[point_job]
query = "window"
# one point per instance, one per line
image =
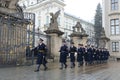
(67, 26)
(115, 46)
(39, 12)
(47, 20)
(31, 2)
(114, 4)
(66, 34)
(39, 22)
(58, 20)
(114, 24)
(39, 0)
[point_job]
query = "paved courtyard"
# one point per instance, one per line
(109, 71)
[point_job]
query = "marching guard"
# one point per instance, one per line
(72, 51)
(80, 55)
(85, 52)
(41, 55)
(63, 55)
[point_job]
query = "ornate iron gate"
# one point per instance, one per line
(14, 34)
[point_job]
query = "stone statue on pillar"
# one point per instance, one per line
(78, 30)
(11, 4)
(79, 35)
(53, 26)
(54, 17)
(77, 27)
(53, 20)
(55, 34)
(11, 7)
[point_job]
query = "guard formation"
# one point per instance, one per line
(87, 55)
(84, 55)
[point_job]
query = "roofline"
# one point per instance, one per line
(39, 4)
(67, 14)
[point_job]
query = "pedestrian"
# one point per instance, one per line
(90, 55)
(100, 55)
(80, 55)
(96, 56)
(63, 55)
(72, 51)
(41, 55)
(93, 54)
(107, 55)
(85, 50)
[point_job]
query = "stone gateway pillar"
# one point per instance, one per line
(55, 41)
(103, 40)
(84, 39)
(55, 34)
(78, 36)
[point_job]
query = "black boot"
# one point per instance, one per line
(73, 64)
(61, 66)
(37, 68)
(45, 67)
(65, 65)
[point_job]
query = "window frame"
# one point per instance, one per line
(114, 4)
(115, 46)
(47, 20)
(114, 26)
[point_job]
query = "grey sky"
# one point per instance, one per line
(85, 9)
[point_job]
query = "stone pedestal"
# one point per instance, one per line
(55, 41)
(76, 40)
(55, 44)
(55, 34)
(79, 35)
(79, 39)
(103, 40)
(84, 40)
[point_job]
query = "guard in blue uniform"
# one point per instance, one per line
(104, 55)
(41, 55)
(96, 55)
(107, 55)
(93, 54)
(85, 49)
(90, 54)
(63, 55)
(72, 51)
(80, 55)
(100, 55)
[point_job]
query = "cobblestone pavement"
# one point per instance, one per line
(109, 71)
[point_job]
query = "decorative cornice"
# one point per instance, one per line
(114, 13)
(54, 31)
(85, 35)
(43, 3)
(105, 38)
(78, 34)
(7, 10)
